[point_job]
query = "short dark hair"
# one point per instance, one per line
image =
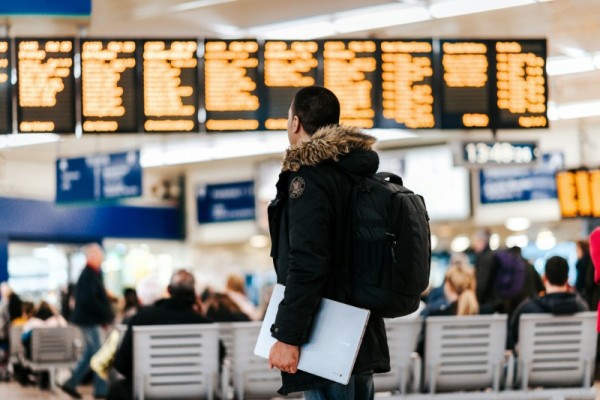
(316, 107)
(557, 270)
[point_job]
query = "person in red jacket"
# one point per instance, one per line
(595, 254)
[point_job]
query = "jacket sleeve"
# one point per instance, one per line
(310, 220)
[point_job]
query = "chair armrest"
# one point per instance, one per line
(509, 361)
(225, 386)
(416, 366)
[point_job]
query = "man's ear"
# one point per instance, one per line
(296, 124)
(169, 290)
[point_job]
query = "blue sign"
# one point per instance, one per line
(46, 7)
(508, 184)
(98, 177)
(225, 202)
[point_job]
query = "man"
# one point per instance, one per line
(179, 308)
(558, 299)
(92, 312)
(485, 270)
(311, 235)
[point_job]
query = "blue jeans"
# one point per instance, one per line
(360, 387)
(92, 343)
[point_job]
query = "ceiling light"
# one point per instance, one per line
(300, 29)
(192, 5)
(545, 240)
(434, 242)
(517, 224)
(27, 139)
(553, 111)
(460, 244)
(494, 241)
(452, 8)
(517, 240)
(259, 241)
(569, 65)
(579, 110)
(379, 17)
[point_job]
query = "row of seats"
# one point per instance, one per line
(464, 358)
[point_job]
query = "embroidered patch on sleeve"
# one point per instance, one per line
(297, 187)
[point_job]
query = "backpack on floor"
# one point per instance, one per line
(392, 249)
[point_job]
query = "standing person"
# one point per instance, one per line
(584, 283)
(92, 312)
(485, 270)
(311, 238)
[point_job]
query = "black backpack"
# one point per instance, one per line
(391, 246)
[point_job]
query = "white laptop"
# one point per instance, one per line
(333, 343)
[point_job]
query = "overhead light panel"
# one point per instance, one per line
(570, 65)
(301, 29)
(379, 17)
(578, 110)
(192, 5)
(517, 224)
(453, 8)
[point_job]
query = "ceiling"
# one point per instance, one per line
(572, 28)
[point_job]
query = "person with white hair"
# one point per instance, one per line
(92, 312)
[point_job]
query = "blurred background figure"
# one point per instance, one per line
(92, 312)
(131, 303)
(584, 283)
(221, 308)
(485, 267)
(236, 290)
(459, 293)
(43, 316)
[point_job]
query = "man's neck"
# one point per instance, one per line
(550, 289)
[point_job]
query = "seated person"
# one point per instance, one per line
(44, 316)
(179, 308)
(557, 300)
(459, 291)
(220, 308)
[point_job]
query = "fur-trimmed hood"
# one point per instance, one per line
(334, 142)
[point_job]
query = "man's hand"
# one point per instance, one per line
(285, 357)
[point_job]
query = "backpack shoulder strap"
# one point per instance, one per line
(393, 178)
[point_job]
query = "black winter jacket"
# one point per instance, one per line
(311, 237)
(92, 306)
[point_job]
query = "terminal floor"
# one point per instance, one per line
(14, 391)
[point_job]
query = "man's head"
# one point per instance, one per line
(481, 240)
(94, 255)
(313, 107)
(557, 272)
(183, 286)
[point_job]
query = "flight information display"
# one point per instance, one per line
(350, 71)
(170, 85)
(465, 85)
(5, 88)
(108, 86)
(407, 99)
(231, 85)
(579, 193)
(288, 66)
(45, 96)
(521, 86)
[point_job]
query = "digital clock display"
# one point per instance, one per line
(499, 153)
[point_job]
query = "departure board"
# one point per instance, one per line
(521, 87)
(350, 71)
(579, 193)
(465, 85)
(45, 96)
(407, 98)
(231, 85)
(5, 88)
(288, 66)
(170, 85)
(108, 85)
